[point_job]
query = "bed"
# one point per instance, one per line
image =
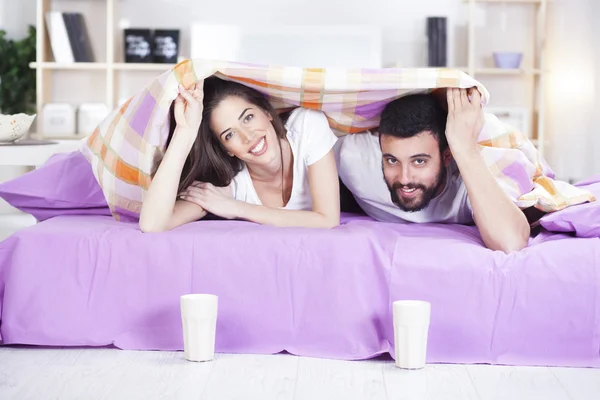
(81, 278)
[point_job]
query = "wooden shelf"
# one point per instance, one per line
(536, 107)
(100, 66)
(70, 66)
(505, 71)
(502, 71)
(142, 66)
(34, 154)
(111, 66)
(506, 1)
(78, 136)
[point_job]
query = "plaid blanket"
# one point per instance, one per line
(127, 146)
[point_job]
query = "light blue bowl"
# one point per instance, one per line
(508, 60)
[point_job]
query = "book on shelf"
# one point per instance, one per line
(436, 42)
(69, 37)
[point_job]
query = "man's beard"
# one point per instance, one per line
(420, 201)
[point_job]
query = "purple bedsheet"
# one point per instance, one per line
(93, 281)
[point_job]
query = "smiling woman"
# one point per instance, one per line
(231, 155)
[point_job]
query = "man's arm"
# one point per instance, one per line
(502, 225)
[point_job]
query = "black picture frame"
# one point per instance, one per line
(137, 44)
(165, 46)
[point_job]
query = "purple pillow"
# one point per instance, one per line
(583, 220)
(65, 184)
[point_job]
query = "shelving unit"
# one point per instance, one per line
(99, 66)
(111, 67)
(500, 71)
(537, 73)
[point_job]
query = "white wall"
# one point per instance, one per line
(594, 132)
(15, 15)
(574, 81)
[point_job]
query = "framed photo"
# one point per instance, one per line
(166, 45)
(138, 45)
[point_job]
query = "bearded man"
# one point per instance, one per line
(424, 166)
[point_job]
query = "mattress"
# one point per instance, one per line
(88, 280)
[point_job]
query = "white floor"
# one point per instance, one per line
(31, 373)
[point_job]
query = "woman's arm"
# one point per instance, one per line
(160, 210)
(324, 189)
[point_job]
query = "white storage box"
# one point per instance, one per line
(517, 117)
(89, 115)
(58, 120)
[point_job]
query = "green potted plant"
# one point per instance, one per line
(17, 79)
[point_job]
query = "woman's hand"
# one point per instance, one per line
(160, 211)
(215, 200)
(188, 110)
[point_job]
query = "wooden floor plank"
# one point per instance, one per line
(344, 380)
(516, 383)
(435, 382)
(247, 377)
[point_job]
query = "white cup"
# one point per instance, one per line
(411, 327)
(199, 319)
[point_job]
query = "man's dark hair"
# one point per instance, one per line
(412, 114)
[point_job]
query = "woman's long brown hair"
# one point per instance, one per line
(208, 161)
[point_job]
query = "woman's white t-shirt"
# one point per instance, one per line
(310, 139)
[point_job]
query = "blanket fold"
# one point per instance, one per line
(127, 146)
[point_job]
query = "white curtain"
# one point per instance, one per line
(572, 116)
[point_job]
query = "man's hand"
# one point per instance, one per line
(465, 120)
(502, 224)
